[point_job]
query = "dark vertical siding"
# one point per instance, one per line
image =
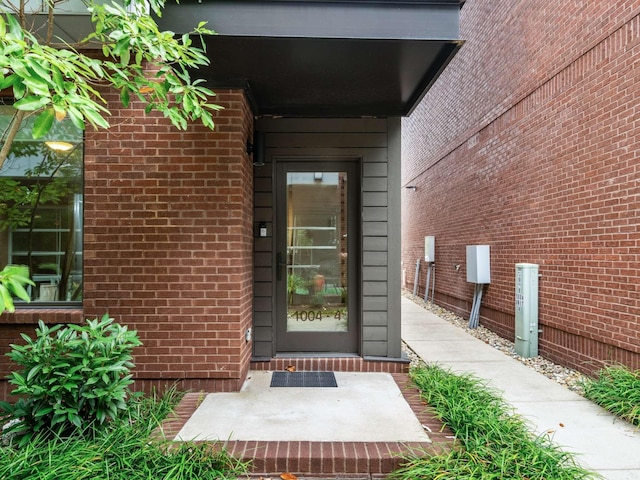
(368, 141)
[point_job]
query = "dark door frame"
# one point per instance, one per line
(318, 342)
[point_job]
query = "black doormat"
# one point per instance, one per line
(303, 379)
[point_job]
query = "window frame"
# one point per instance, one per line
(69, 203)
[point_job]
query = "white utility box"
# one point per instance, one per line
(526, 342)
(430, 249)
(478, 264)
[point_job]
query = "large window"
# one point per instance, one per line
(41, 208)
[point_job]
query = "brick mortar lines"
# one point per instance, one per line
(373, 459)
(547, 88)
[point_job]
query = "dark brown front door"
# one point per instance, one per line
(317, 252)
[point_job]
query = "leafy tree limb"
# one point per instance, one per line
(53, 82)
(13, 278)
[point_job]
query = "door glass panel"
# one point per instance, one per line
(317, 252)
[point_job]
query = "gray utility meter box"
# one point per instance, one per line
(430, 249)
(526, 310)
(478, 264)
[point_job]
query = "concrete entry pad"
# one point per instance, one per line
(365, 407)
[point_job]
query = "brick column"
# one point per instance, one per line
(168, 241)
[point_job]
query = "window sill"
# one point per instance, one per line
(49, 314)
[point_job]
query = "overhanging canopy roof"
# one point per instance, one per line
(339, 58)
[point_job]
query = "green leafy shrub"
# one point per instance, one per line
(72, 377)
(617, 389)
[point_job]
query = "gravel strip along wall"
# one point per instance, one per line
(571, 379)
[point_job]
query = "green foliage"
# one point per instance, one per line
(52, 180)
(294, 284)
(55, 81)
(493, 443)
(13, 278)
(72, 378)
(49, 182)
(317, 300)
(617, 389)
(124, 452)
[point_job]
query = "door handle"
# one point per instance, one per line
(280, 265)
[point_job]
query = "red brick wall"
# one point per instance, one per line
(530, 142)
(168, 243)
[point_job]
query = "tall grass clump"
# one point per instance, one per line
(125, 451)
(617, 389)
(492, 442)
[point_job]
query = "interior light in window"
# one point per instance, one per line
(59, 146)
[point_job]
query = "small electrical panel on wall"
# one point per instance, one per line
(262, 229)
(430, 249)
(478, 264)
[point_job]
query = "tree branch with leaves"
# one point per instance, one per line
(52, 80)
(13, 279)
(55, 80)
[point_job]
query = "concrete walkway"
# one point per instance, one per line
(601, 442)
(365, 407)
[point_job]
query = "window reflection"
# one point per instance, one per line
(317, 252)
(41, 209)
